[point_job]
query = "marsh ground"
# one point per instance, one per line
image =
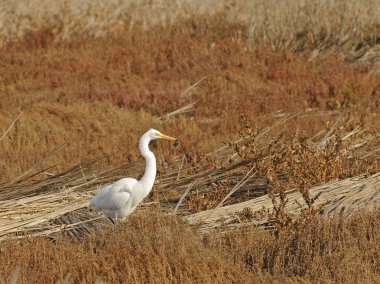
(94, 88)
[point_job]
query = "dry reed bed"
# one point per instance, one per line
(350, 28)
(56, 204)
(346, 197)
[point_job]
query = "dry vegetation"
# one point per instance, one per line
(156, 248)
(270, 102)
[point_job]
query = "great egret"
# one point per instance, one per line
(121, 198)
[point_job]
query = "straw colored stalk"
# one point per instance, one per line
(337, 197)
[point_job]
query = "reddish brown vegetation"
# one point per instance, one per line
(120, 85)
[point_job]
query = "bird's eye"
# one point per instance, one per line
(176, 143)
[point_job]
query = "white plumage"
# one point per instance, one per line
(121, 198)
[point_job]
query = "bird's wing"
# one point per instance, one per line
(114, 196)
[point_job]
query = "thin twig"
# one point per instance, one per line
(237, 186)
(182, 198)
(184, 109)
(10, 127)
(55, 150)
(187, 92)
(181, 166)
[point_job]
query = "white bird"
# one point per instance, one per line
(121, 198)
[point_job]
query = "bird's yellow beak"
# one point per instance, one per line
(163, 136)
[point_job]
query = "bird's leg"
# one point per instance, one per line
(114, 222)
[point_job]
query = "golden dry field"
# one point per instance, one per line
(276, 177)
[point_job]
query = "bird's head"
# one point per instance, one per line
(155, 134)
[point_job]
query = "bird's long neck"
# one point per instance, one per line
(147, 180)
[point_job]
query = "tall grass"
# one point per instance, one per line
(156, 248)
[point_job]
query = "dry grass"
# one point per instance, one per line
(156, 248)
(122, 86)
(347, 26)
(148, 248)
(258, 111)
(336, 250)
(42, 206)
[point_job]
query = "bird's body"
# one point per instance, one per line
(121, 198)
(116, 200)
